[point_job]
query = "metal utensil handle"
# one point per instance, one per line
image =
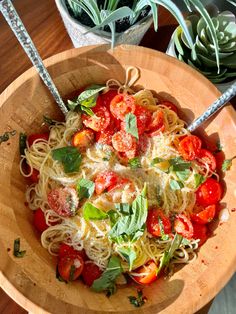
(217, 105)
(22, 35)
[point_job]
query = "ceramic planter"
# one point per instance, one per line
(77, 31)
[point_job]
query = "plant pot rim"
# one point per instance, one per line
(63, 10)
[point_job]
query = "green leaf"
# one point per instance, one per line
(157, 160)
(107, 280)
(85, 188)
(198, 179)
(227, 164)
(16, 249)
(138, 301)
(129, 254)
(176, 185)
(130, 227)
(178, 164)
(167, 256)
(162, 230)
(135, 163)
(183, 175)
(22, 143)
(70, 158)
(131, 125)
(124, 208)
(113, 216)
(91, 212)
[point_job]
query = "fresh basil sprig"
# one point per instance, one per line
(131, 125)
(85, 188)
(70, 158)
(107, 280)
(90, 212)
(129, 254)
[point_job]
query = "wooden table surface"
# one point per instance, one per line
(45, 26)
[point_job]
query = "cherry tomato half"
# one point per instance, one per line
(157, 124)
(120, 182)
(66, 250)
(153, 223)
(200, 232)
(149, 271)
(83, 139)
(207, 158)
(209, 192)
(121, 105)
(183, 226)
(143, 117)
(90, 273)
(64, 201)
(189, 147)
(39, 220)
(99, 121)
(122, 141)
(33, 137)
(203, 215)
(169, 105)
(104, 180)
(70, 267)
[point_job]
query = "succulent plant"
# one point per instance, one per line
(206, 61)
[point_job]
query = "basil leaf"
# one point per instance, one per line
(130, 227)
(16, 249)
(124, 208)
(227, 164)
(156, 160)
(91, 212)
(113, 216)
(72, 104)
(198, 179)
(69, 156)
(135, 163)
(88, 111)
(107, 280)
(129, 254)
(175, 244)
(49, 121)
(183, 175)
(85, 188)
(176, 185)
(131, 125)
(178, 164)
(22, 143)
(90, 92)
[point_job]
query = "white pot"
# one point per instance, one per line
(171, 52)
(77, 31)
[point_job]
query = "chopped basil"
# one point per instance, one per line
(131, 125)
(85, 188)
(16, 250)
(49, 121)
(5, 137)
(138, 301)
(198, 179)
(91, 212)
(157, 160)
(227, 164)
(107, 280)
(22, 143)
(70, 158)
(129, 254)
(135, 163)
(176, 185)
(124, 208)
(113, 216)
(131, 227)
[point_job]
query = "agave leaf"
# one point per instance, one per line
(223, 55)
(154, 9)
(195, 64)
(218, 80)
(177, 40)
(193, 18)
(200, 46)
(183, 37)
(91, 8)
(75, 7)
(230, 74)
(230, 62)
(214, 75)
(231, 29)
(204, 38)
(208, 62)
(229, 47)
(232, 2)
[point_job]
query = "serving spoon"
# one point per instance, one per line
(17, 26)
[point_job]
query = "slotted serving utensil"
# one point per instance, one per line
(17, 26)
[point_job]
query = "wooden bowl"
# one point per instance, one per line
(31, 280)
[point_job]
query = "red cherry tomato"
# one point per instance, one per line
(209, 192)
(105, 136)
(90, 273)
(106, 98)
(157, 124)
(34, 177)
(83, 139)
(121, 105)
(207, 158)
(64, 201)
(169, 105)
(39, 220)
(66, 250)
(150, 273)
(120, 182)
(200, 232)
(183, 226)
(33, 137)
(99, 121)
(153, 223)
(122, 141)
(203, 215)
(189, 147)
(104, 180)
(70, 267)
(143, 118)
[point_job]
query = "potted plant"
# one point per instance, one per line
(216, 61)
(113, 21)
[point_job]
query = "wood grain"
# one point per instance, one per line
(34, 276)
